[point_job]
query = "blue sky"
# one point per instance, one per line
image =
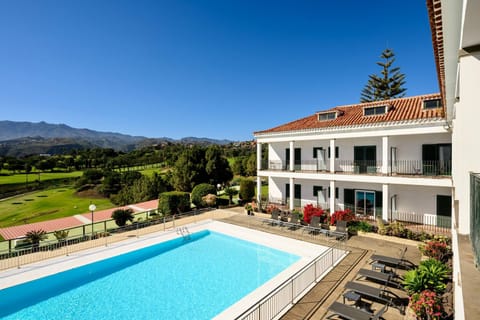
(206, 68)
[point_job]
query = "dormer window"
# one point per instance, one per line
(375, 111)
(324, 116)
(432, 104)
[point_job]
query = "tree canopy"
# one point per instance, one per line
(387, 85)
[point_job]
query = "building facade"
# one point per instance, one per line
(389, 159)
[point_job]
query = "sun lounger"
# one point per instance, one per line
(381, 295)
(294, 222)
(393, 261)
(387, 278)
(349, 312)
(341, 230)
(273, 218)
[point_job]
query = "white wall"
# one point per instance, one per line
(466, 136)
(417, 199)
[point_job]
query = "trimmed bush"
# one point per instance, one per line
(247, 190)
(173, 202)
(200, 191)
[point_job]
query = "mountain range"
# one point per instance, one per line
(25, 138)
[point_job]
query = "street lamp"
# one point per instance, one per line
(92, 208)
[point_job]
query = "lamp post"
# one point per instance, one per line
(92, 208)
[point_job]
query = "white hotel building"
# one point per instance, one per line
(389, 159)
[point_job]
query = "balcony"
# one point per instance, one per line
(398, 167)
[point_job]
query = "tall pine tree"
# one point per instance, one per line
(387, 85)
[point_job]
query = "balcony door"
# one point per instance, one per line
(444, 211)
(365, 203)
(297, 198)
(298, 158)
(437, 159)
(365, 158)
(319, 154)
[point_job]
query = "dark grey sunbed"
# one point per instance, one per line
(381, 295)
(393, 261)
(387, 278)
(353, 313)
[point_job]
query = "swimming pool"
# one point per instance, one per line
(177, 279)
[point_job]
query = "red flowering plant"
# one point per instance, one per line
(309, 211)
(342, 215)
(426, 305)
(436, 249)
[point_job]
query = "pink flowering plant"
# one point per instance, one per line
(426, 305)
(436, 249)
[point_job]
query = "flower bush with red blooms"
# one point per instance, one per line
(309, 211)
(342, 215)
(436, 249)
(426, 305)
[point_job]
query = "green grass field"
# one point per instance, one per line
(46, 205)
(21, 178)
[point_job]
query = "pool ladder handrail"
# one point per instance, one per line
(184, 232)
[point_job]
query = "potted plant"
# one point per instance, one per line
(248, 208)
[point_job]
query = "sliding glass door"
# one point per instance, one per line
(365, 202)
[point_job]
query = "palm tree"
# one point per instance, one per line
(121, 216)
(35, 236)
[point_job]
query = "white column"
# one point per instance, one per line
(292, 194)
(385, 200)
(332, 196)
(259, 157)
(384, 155)
(332, 155)
(259, 189)
(292, 157)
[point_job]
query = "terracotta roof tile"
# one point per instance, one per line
(402, 109)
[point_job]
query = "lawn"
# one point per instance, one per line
(21, 178)
(46, 205)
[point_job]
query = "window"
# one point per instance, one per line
(432, 104)
(327, 116)
(336, 192)
(337, 152)
(373, 111)
(316, 151)
(317, 189)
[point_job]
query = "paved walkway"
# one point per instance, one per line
(73, 221)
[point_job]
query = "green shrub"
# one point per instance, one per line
(200, 191)
(173, 202)
(431, 274)
(360, 226)
(247, 190)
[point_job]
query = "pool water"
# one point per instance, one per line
(178, 279)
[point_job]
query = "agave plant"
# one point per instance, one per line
(431, 274)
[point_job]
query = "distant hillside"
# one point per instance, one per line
(13, 130)
(25, 138)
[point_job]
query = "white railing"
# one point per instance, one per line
(15, 258)
(279, 300)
